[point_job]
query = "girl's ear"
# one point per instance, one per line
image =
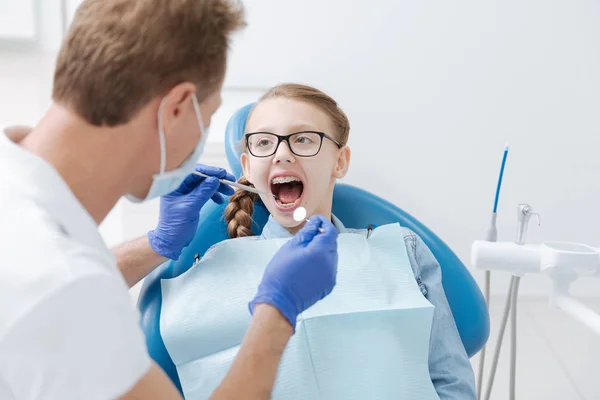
(343, 163)
(245, 160)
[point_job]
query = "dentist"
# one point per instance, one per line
(135, 86)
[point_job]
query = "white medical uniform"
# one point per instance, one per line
(68, 328)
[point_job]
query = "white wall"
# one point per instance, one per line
(433, 90)
(17, 19)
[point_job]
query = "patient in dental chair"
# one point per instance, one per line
(295, 148)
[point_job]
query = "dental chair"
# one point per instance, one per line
(465, 299)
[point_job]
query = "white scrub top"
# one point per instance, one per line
(68, 328)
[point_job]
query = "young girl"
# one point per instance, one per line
(295, 150)
(309, 181)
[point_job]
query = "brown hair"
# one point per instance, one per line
(119, 54)
(238, 213)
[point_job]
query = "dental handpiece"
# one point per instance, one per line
(235, 184)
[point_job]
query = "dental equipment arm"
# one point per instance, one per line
(524, 213)
(561, 261)
(577, 310)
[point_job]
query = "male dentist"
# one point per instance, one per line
(135, 86)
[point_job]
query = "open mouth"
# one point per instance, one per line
(287, 190)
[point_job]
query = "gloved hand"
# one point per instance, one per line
(302, 272)
(179, 210)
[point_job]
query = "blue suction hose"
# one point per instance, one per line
(491, 236)
(506, 148)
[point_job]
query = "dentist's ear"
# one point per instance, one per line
(177, 103)
(343, 163)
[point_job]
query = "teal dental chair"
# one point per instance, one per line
(465, 299)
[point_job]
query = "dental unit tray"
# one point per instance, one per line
(558, 259)
(562, 262)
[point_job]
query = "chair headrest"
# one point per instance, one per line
(234, 132)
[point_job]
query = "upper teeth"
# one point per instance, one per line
(284, 179)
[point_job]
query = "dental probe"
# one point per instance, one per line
(235, 184)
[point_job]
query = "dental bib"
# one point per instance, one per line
(369, 339)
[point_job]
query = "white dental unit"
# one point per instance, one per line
(562, 262)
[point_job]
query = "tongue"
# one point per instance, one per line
(289, 192)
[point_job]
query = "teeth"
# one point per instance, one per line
(284, 179)
(285, 205)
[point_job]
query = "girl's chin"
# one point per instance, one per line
(287, 221)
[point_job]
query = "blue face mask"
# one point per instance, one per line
(166, 182)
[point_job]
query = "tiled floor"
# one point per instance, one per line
(558, 358)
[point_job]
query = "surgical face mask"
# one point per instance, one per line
(166, 182)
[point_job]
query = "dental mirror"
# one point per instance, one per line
(300, 215)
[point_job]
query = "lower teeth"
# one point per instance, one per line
(289, 205)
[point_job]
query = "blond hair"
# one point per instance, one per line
(238, 213)
(119, 54)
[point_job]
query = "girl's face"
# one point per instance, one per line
(295, 180)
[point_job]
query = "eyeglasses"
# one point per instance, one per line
(302, 144)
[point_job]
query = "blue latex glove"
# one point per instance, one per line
(179, 210)
(302, 272)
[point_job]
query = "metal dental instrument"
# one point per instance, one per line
(300, 215)
(236, 185)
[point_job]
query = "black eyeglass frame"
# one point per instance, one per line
(286, 138)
